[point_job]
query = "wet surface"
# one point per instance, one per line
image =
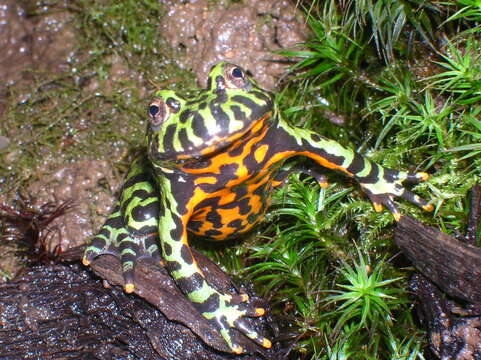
(90, 186)
(61, 312)
(245, 33)
(32, 43)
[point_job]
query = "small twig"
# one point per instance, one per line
(474, 215)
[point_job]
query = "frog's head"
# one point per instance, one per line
(212, 119)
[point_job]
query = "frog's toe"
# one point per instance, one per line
(417, 200)
(391, 206)
(99, 246)
(416, 177)
(244, 328)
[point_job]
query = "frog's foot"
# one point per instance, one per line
(116, 241)
(389, 186)
(227, 313)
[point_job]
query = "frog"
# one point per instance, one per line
(211, 165)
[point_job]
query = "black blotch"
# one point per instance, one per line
(169, 138)
(184, 116)
(184, 140)
(210, 305)
(237, 150)
(198, 125)
(372, 177)
(220, 98)
(141, 177)
(214, 217)
(176, 233)
(262, 95)
(186, 255)
(194, 226)
(357, 164)
(121, 237)
(103, 232)
(244, 207)
(315, 137)
(321, 152)
(252, 218)
(167, 249)
(213, 232)
(209, 83)
(174, 104)
(142, 213)
(173, 266)
(220, 83)
(240, 191)
(236, 224)
(202, 105)
(238, 113)
(191, 283)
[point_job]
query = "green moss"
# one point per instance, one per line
(97, 108)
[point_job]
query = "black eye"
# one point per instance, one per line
(153, 110)
(237, 73)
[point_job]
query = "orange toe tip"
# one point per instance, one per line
(237, 349)
(377, 207)
(397, 216)
(428, 207)
(85, 262)
(423, 176)
(129, 288)
(244, 297)
(324, 184)
(266, 343)
(260, 311)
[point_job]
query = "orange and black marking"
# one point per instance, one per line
(212, 163)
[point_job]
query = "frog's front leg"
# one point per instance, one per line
(381, 184)
(226, 312)
(130, 231)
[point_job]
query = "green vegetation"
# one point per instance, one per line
(95, 109)
(405, 76)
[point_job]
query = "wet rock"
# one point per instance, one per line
(244, 33)
(33, 43)
(90, 185)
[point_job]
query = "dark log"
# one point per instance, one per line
(452, 265)
(154, 284)
(62, 312)
(451, 336)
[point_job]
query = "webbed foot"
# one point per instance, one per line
(115, 240)
(389, 185)
(227, 312)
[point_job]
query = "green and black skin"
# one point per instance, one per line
(211, 165)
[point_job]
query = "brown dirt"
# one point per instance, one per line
(243, 33)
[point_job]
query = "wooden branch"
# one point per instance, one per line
(154, 284)
(61, 312)
(452, 265)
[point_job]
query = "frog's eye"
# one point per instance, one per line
(237, 73)
(157, 112)
(153, 110)
(235, 78)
